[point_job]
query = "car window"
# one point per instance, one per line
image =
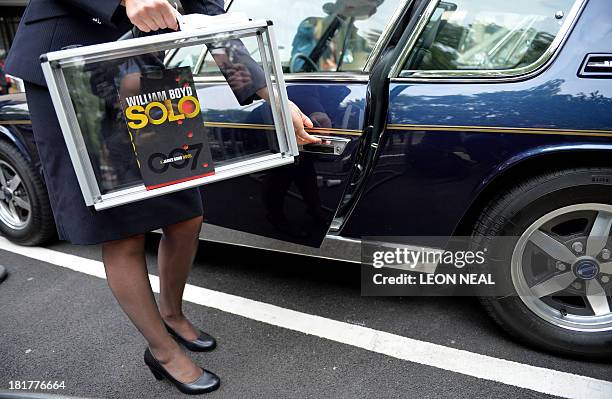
(185, 56)
(318, 35)
(487, 34)
(189, 56)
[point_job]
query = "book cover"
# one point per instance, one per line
(164, 120)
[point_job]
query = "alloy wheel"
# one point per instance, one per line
(15, 205)
(562, 267)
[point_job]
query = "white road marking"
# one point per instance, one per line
(552, 382)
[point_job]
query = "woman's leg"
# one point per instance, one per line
(126, 272)
(177, 248)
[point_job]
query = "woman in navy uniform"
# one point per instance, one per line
(49, 25)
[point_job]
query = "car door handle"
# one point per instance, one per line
(330, 145)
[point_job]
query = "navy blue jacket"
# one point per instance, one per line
(49, 25)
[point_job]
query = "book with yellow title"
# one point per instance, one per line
(164, 120)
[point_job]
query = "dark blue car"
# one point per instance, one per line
(446, 118)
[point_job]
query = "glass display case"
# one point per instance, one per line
(135, 126)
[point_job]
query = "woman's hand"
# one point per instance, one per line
(299, 122)
(297, 117)
(151, 15)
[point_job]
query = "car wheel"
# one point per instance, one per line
(25, 213)
(559, 263)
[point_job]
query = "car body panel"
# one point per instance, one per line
(446, 142)
(15, 125)
(295, 203)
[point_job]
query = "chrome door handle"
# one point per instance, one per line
(330, 145)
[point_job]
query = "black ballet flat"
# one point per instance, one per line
(207, 382)
(203, 343)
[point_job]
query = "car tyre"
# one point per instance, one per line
(20, 225)
(561, 196)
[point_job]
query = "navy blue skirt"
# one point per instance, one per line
(75, 221)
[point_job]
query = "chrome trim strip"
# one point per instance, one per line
(16, 122)
(333, 131)
(414, 36)
(346, 240)
(329, 76)
(296, 77)
(169, 54)
(336, 224)
(383, 39)
(333, 247)
(254, 126)
(209, 79)
(455, 76)
(201, 58)
(499, 129)
(229, 125)
(320, 130)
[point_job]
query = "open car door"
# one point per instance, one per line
(326, 49)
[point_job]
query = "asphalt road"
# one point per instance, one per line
(60, 324)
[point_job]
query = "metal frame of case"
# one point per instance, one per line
(53, 62)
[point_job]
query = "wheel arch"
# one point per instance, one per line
(534, 161)
(10, 137)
